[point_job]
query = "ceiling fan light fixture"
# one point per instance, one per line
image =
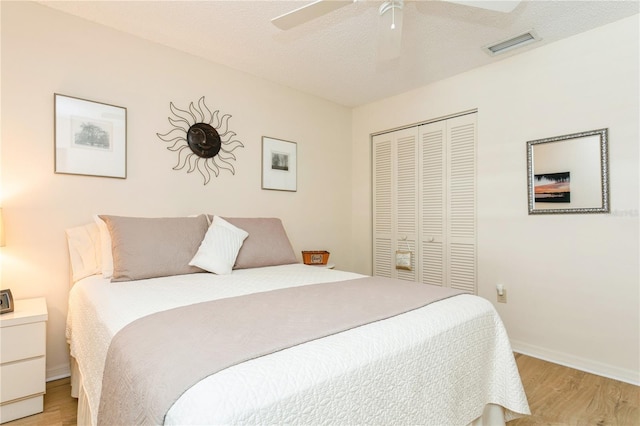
(391, 5)
(390, 31)
(512, 43)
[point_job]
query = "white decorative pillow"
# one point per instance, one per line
(105, 246)
(84, 250)
(220, 247)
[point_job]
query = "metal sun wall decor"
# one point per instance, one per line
(202, 140)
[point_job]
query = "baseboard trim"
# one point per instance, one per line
(58, 372)
(578, 363)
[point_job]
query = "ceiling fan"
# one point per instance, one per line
(390, 12)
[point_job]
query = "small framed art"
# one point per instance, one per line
(90, 138)
(279, 164)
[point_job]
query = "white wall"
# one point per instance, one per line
(46, 52)
(572, 280)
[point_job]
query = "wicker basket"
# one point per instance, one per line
(315, 257)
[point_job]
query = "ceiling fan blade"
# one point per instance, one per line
(308, 12)
(504, 6)
(390, 39)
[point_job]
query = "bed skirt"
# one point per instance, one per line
(77, 391)
(493, 415)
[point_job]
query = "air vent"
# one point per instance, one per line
(512, 43)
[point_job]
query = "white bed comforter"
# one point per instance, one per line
(440, 364)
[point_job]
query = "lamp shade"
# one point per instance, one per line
(1, 229)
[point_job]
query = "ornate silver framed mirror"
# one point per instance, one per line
(569, 173)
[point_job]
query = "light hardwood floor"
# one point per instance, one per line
(557, 396)
(563, 396)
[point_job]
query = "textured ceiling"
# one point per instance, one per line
(335, 56)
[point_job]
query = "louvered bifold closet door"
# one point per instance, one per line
(406, 198)
(461, 205)
(395, 202)
(424, 186)
(432, 203)
(382, 205)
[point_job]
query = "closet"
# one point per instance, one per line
(424, 203)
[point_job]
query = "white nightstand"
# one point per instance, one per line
(23, 334)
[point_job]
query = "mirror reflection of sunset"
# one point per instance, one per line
(553, 187)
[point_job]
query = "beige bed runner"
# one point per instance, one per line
(152, 361)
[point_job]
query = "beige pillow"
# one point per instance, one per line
(154, 247)
(266, 245)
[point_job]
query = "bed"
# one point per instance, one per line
(448, 362)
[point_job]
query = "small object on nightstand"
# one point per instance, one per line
(23, 335)
(6, 301)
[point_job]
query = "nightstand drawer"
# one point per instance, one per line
(21, 408)
(22, 379)
(22, 341)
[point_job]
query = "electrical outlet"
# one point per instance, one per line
(503, 298)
